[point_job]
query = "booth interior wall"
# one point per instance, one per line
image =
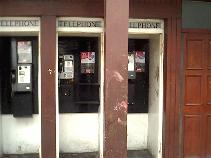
(137, 128)
(78, 133)
(1, 142)
(20, 135)
(154, 96)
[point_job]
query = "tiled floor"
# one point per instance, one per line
(131, 154)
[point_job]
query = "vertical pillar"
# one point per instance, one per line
(116, 79)
(173, 92)
(48, 91)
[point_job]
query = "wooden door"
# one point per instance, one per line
(197, 108)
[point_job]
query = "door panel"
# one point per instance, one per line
(208, 108)
(209, 90)
(194, 48)
(197, 101)
(208, 137)
(193, 90)
(192, 136)
(209, 54)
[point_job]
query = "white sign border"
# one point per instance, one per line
(146, 30)
(9, 29)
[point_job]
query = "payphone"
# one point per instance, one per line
(136, 63)
(66, 67)
(21, 66)
(19, 73)
(131, 66)
(22, 94)
(66, 80)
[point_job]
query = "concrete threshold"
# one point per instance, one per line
(131, 154)
(20, 156)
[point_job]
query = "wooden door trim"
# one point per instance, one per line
(172, 88)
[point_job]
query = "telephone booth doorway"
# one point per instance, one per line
(145, 88)
(20, 115)
(80, 87)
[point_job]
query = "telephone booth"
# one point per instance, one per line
(145, 88)
(80, 76)
(19, 87)
(96, 79)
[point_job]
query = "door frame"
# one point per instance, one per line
(147, 33)
(83, 32)
(185, 32)
(28, 31)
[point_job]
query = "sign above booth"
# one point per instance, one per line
(74, 23)
(146, 25)
(65, 24)
(19, 24)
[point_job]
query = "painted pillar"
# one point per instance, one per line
(116, 78)
(48, 83)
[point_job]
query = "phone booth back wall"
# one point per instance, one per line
(138, 75)
(1, 143)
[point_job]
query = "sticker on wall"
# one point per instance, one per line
(87, 62)
(140, 61)
(24, 52)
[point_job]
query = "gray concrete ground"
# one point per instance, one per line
(21, 156)
(79, 155)
(139, 154)
(131, 154)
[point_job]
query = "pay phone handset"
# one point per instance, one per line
(21, 65)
